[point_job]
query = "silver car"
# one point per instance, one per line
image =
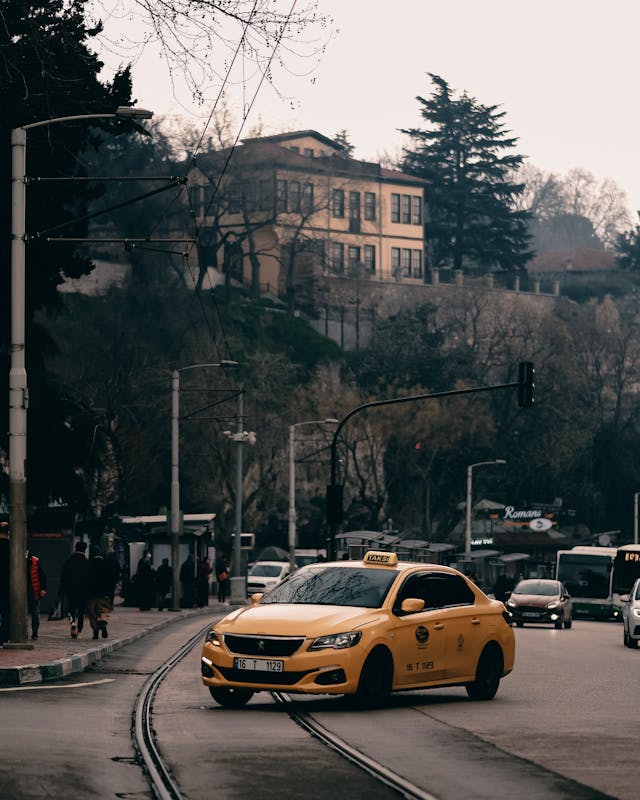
(631, 616)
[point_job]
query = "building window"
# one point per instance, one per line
(354, 205)
(416, 263)
(405, 213)
(337, 257)
(395, 261)
(234, 198)
(353, 256)
(265, 200)
(294, 196)
(338, 203)
(281, 197)
(369, 206)
(307, 198)
(405, 263)
(416, 210)
(395, 208)
(369, 258)
(295, 148)
(308, 152)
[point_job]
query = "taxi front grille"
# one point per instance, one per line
(267, 678)
(263, 646)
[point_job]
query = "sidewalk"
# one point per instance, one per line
(55, 654)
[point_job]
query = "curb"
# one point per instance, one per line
(61, 667)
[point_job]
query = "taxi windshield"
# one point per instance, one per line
(266, 570)
(334, 586)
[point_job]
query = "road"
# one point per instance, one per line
(569, 709)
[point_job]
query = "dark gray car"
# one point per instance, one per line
(539, 600)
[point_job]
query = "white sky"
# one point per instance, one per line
(565, 71)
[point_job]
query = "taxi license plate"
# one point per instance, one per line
(257, 664)
(530, 614)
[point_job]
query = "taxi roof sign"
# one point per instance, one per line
(380, 557)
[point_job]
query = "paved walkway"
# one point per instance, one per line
(55, 654)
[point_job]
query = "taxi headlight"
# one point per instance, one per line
(212, 637)
(510, 604)
(553, 604)
(336, 641)
(636, 611)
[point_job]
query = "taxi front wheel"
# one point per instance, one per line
(488, 674)
(374, 686)
(230, 697)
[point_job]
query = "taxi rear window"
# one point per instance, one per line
(334, 586)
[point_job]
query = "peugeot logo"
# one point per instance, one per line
(260, 646)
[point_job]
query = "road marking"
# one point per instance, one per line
(57, 686)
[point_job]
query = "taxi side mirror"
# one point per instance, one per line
(256, 598)
(411, 604)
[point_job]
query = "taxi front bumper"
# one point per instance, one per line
(327, 671)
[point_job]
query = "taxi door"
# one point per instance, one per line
(420, 649)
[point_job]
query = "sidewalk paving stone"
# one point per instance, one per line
(55, 654)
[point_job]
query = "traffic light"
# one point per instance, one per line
(526, 374)
(334, 504)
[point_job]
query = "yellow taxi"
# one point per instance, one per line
(363, 628)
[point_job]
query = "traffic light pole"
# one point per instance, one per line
(334, 490)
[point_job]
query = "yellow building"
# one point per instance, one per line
(281, 209)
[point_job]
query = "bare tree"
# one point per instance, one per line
(199, 41)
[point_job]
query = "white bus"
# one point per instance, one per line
(595, 577)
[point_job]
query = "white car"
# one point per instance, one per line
(631, 616)
(264, 575)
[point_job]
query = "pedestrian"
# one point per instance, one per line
(74, 587)
(145, 590)
(5, 624)
(224, 582)
(36, 589)
(164, 584)
(503, 587)
(188, 581)
(204, 569)
(101, 589)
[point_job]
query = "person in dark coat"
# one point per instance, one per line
(164, 584)
(188, 581)
(204, 569)
(5, 606)
(145, 590)
(74, 587)
(504, 584)
(224, 581)
(101, 589)
(36, 589)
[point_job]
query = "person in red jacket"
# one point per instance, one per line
(36, 589)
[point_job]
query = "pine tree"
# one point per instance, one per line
(466, 155)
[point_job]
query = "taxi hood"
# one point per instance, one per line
(290, 619)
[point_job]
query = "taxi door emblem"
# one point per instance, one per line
(422, 634)
(460, 641)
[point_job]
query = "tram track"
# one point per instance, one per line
(160, 777)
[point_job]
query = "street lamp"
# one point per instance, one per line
(467, 528)
(635, 517)
(18, 391)
(292, 483)
(175, 470)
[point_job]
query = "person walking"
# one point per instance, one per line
(74, 587)
(204, 569)
(144, 582)
(188, 581)
(224, 581)
(101, 590)
(164, 584)
(36, 590)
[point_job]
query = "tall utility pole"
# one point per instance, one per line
(176, 515)
(18, 387)
(239, 438)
